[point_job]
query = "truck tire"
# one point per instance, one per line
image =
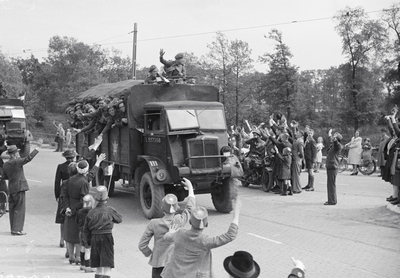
(222, 198)
(151, 196)
(25, 149)
(105, 180)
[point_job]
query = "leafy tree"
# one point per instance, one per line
(362, 40)
(10, 77)
(280, 82)
(391, 78)
(240, 66)
(217, 64)
(117, 68)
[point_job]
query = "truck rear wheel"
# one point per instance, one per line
(223, 196)
(151, 196)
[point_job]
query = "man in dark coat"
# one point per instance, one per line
(310, 155)
(332, 165)
(17, 185)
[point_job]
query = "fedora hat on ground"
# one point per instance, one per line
(12, 149)
(242, 265)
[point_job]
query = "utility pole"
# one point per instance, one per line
(134, 52)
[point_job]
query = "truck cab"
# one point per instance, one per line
(13, 126)
(172, 132)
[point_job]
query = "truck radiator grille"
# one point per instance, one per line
(14, 129)
(202, 153)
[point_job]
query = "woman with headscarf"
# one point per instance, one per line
(77, 187)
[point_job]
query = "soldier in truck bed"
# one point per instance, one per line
(98, 118)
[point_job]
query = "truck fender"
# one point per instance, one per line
(157, 168)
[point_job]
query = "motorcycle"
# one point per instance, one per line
(259, 172)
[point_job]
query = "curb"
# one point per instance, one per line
(393, 208)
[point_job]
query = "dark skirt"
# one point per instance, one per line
(102, 251)
(60, 216)
(71, 230)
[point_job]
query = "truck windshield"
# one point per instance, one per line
(211, 119)
(18, 113)
(182, 119)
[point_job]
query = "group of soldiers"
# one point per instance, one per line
(174, 71)
(97, 114)
(100, 114)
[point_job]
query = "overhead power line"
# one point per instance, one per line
(195, 34)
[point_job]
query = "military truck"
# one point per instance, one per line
(13, 125)
(173, 131)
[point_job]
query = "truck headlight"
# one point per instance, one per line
(161, 175)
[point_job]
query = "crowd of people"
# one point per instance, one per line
(86, 223)
(287, 149)
(388, 156)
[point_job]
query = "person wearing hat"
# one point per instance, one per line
(197, 262)
(83, 209)
(241, 265)
(62, 175)
(257, 147)
(173, 68)
(157, 228)
(332, 165)
(97, 232)
(17, 185)
(152, 77)
(78, 187)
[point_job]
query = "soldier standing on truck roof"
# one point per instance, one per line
(173, 68)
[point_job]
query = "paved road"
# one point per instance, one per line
(358, 237)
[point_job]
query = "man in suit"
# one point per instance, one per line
(197, 262)
(157, 228)
(332, 165)
(17, 185)
(310, 155)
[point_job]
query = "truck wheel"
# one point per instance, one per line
(25, 149)
(151, 196)
(222, 198)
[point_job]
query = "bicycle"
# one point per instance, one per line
(367, 167)
(343, 160)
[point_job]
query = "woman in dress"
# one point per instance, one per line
(77, 186)
(320, 146)
(355, 152)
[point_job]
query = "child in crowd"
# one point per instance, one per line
(366, 151)
(97, 231)
(157, 228)
(284, 172)
(83, 209)
(320, 146)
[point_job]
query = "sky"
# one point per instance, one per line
(26, 26)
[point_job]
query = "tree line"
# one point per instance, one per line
(352, 95)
